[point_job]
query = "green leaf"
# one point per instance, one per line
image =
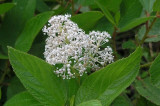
(122, 100)
(135, 23)
(106, 84)
(156, 6)
(104, 25)
(14, 87)
(41, 6)
(117, 17)
(23, 99)
(147, 5)
(6, 7)
(111, 5)
(106, 12)
(128, 14)
(155, 72)
(38, 78)
(149, 91)
(2, 56)
(86, 20)
(72, 87)
(15, 20)
(91, 103)
(144, 102)
(31, 29)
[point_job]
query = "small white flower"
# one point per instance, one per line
(68, 45)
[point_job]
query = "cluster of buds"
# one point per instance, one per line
(69, 46)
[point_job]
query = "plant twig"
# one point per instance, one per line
(78, 9)
(146, 65)
(147, 31)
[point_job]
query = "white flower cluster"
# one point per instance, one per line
(68, 45)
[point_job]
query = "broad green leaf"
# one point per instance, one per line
(111, 5)
(104, 25)
(106, 84)
(87, 20)
(31, 29)
(128, 14)
(154, 33)
(23, 99)
(91, 103)
(135, 23)
(2, 56)
(5, 7)
(156, 6)
(149, 91)
(122, 100)
(41, 6)
(147, 5)
(38, 78)
(15, 20)
(106, 12)
(155, 72)
(14, 87)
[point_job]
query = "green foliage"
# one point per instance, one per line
(85, 2)
(129, 45)
(156, 6)
(153, 35)
(128, 14)
(30, 31)
(38, 78)
(149, 91)
(24, 99)
(154, 71)
(6, 7)
(104, 25)
(106, 12)
(135, 23)
(148, 5)
(14, 87)
(26, 80)
(122, 100)
(106, 84)
(41, 6)
(2, 56)
(141, 101)
(117, 17)
(86, 20)
(91, 103)
(111, 5)
(14, 24)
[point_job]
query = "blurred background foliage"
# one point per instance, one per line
(130, 22)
